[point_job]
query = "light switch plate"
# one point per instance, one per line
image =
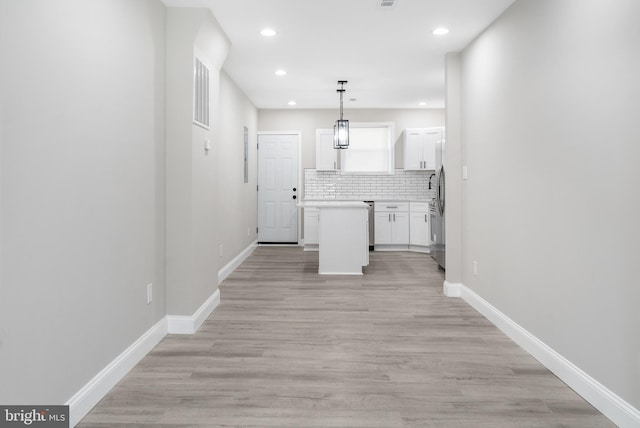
(465, 174)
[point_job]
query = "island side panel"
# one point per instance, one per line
(343, 240)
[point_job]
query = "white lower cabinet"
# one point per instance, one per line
(391, 225)
(398, 226)
(419, 225)
(311, 221)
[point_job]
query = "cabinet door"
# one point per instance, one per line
(383, 228)
(400, 228)
(311, 222)
(419, 229)
(326, 155)
(431, 137)
(413, 159)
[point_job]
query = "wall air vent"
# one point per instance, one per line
(200, 94)
(387, 4)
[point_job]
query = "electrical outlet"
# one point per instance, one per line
(475, 268)
(149, 293)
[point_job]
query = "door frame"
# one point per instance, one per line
(300, 171)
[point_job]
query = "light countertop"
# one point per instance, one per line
(332, 204)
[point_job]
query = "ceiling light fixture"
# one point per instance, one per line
(441, 31)
(268, 32)
(341, 128)
(291, 103)
(422, 103)
(281, 73)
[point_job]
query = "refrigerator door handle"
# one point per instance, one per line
(438, 190)
(441, 191)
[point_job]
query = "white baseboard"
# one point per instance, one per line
(88, 396)
(84, 400)
(452, 289)
(185, 324)
(608, 403)
(235, 262)
(390, 247)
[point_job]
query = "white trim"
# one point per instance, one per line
(340, 273)
(236, 261)
(611, 405)
(391, 247)
(89, 395)
(452, 289)
(185, 324)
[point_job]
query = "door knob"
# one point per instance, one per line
(295, 197)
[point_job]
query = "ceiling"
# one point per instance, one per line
(388, 54)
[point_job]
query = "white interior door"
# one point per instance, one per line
(277, 188)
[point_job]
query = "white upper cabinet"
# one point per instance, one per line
(326, 155)
(420, 148)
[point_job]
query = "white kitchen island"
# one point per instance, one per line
(343, 236)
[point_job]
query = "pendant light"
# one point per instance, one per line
(341, 128)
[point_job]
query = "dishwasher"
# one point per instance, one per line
(370, 211)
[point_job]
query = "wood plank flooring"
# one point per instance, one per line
(289, 348)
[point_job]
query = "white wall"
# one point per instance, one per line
(550, 129)
(237, 207)
(105, 185)
(192, 175)
(82, 93)
(453, 171)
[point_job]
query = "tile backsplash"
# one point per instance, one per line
(405, 185)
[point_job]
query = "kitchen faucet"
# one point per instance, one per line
(430, 177)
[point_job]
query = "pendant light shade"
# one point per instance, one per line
(341, 134)
(341, 128)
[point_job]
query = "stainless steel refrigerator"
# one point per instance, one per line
(437, 208)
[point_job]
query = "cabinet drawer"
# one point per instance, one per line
(391, 206)
(419, 207)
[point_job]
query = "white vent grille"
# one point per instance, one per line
(386, 4)
(201, 94)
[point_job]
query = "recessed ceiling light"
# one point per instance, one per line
(422, 103)
(268, 32)
(280, 72)
(291, 103)
(441, 31)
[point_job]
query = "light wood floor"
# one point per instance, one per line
(289, 348)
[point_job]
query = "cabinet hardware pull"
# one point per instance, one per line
(389, 216)
(392, 206)
(425, 218)
(394, 216)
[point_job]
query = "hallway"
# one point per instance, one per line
(289, 348)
